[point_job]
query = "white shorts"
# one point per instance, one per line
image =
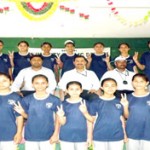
(43, 145)
(114, 145)
(73, 145)
(8, 145)
(137, 145)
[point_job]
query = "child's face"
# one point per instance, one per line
(139, 83)
(74, 90)
(46, 48)
(69, 48)
(4, 82)
(99, 48)
(109, 87)
(23, 47)
(40, 84)
(124, 48)
(1, 46)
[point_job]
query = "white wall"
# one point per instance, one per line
(101, 23)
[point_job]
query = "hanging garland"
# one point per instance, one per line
(123, 20)
(37, 14)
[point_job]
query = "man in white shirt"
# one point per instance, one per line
(122, 76)
(88, 79)
(23, 81)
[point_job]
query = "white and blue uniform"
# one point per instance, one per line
(4, 63)
(67, 62)
(144, 60)
(138, 122)
(8, 126)
(108, 126)
(75, 129)
(40, 123)
(49, 61)
(20, 62)
(98, 64)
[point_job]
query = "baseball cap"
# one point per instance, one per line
(69, 41)
(120, 59)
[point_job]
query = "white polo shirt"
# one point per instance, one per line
(120, 77)
(87, 78)
(24, 78)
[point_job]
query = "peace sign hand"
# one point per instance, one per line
(18, 108)
(124, 100)
(89, 57)
(83, 107)
(11, 55)
(60, 111)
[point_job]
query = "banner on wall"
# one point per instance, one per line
(59, 51)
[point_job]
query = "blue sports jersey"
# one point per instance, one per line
(145, 61)
(40, 122)
(67, 62)
(75, 128)
(20, 62)
(98, 65)
(108, 126)
(4, 63)
(49, 61)
(8, 127)
(138, 122)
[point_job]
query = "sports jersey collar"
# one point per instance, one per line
(73, 102)
(1, 54)
(70, 55)
(6, 93)
(37, 98)
(141, 95)
(84, 72)
(99, 54)
(125, 57)
(107, 99)
(22, 54)
(46, 55)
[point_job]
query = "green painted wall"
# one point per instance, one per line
(136, 44)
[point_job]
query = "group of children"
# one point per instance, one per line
(75, 121)
(106, 122)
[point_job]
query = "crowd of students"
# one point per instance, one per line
(88, 113)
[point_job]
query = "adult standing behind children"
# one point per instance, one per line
(87, 78)
(122, 75)
(99, 62)
(21, 59)
(23, 82)
(49, 60)
(5, 65)
(65, 62)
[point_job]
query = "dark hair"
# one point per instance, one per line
(73, 82)
(36, 55)
(39, 76)
(79, 56)
(1, 42)
(98, 43)
(46, 43)
(108, 79)
(148, 42)
(6, 75)
(124, 44)
(141, 75)
(23, 42)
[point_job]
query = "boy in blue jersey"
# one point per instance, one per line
(109, 126)
(41, 129)
(73, 132)
(65, 61)
(137, 112)
(11, 123)
(21, 59)
(5, 65)
(99, 62)
(124, 53)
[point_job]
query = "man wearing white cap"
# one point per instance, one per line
(121, 75)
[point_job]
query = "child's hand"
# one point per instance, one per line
(60, 111)
(83, 107)
(107, 58)
(89, 142)
(124, 100)
(54, 139)
(135, 57)
(89, 57)
(18, 108)
(11, 55)
(17, 138)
